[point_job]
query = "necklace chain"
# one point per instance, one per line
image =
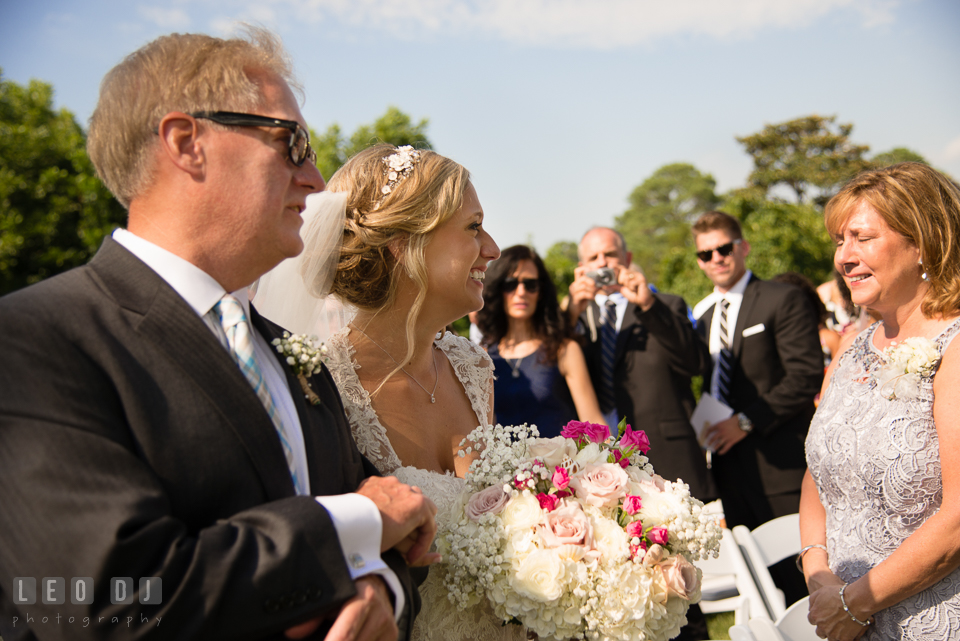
(433, 398)
(515, 368)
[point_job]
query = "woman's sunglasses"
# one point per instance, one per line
(531, 285)
(724, 250)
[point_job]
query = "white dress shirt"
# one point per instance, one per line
(735, 297)
(355, 517)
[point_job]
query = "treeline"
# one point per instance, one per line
(797, 166)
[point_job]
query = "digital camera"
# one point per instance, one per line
(603, 276)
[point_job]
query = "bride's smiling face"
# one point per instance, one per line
(457, 258)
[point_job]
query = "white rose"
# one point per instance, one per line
(591, 454)
(552, 451)
(539, 576)
(610, 540)
(519, 545)
(522, 512)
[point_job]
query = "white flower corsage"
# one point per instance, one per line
(303, 357)
(906, 363)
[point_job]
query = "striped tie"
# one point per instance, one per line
(230, 313)
(725, 358)
(608, 349)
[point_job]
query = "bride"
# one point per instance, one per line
(409, 257)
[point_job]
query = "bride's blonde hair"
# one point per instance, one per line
(385, 234)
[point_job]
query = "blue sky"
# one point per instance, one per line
(559, 108)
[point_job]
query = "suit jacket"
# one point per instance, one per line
(658, 351)
(776, 373)
(131, 445)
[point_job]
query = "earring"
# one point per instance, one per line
(923, 275)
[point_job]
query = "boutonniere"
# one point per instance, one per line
(906, 363)
(303, 357)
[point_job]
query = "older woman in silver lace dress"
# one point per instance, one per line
(880, 508)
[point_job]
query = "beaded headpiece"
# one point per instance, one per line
(399, 164)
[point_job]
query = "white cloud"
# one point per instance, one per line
(165, 17)
(952, 150)
(583, 23)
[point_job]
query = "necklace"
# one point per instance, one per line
(515, 368)
(433, 398)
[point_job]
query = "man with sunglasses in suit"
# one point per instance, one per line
(767, 366)
(148, 428)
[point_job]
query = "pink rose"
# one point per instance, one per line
(600, 485)
(620, 459)
(548, 502)
(562, 494)
(658, 535)
(635, 440)
(632, 504)
(567, 525)
(593, 432)
(681, 578)
(635, 529)
(654, 485)
(635, 550)
(487, 501)
(561, 478)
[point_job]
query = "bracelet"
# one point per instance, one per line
(804, 551)
(843, 602)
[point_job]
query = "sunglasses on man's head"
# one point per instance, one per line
(299, 146)
(723, 250)
(531, 285)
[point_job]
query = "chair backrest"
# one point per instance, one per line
(730, 562)
(779, 538)
(768, 544)
(794, 626)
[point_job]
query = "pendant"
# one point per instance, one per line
(432, 399)
(516, 373)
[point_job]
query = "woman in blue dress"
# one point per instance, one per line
(541, 374)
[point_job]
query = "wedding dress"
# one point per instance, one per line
(439, 618)
(876, 463)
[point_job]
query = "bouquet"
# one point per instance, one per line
(575, 536)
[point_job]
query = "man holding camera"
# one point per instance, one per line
(642, 351)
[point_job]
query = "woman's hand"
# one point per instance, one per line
(828, 615)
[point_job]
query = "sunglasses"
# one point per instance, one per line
(531, 285)
(298, 148)
(723, 250)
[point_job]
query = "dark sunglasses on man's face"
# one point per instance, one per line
(724, 250)
(531, 285)
(299, 145)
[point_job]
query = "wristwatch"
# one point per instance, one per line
(745, 423)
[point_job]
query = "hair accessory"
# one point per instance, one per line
(399, 164)
(807, 549)
(843, 602)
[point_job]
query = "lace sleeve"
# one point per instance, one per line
(370, 435)
(474, 369)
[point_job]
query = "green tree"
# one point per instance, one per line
(54, 211)
(895, 155)
(394, 127)
(811, 156)
(560, 260)
(661, 211)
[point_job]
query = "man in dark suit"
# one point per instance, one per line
(148, 428)
(768, 366)
(651, 354)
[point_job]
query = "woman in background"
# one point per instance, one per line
(542, 376)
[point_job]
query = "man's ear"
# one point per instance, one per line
(180, 140)
(746, 248)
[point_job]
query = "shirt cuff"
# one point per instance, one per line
(359, 530)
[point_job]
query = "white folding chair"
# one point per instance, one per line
(792, 626)
(727, 584)
(768, 544)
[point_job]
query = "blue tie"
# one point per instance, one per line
(725, 358)
(608, 350)
(234, 322)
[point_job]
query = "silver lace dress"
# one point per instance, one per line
(439, 619)
(876, 463)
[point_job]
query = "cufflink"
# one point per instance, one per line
(357, 562)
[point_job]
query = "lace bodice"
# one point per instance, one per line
(438, 619)
(876, 463)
